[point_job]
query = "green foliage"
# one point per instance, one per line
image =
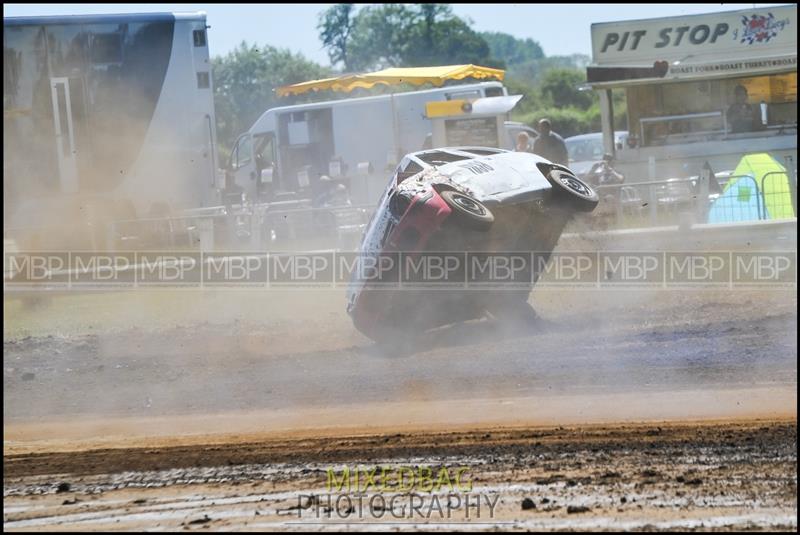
(572, 121)
(559, 88)
(244, 83)
(379, 36)
(512, 51)
(566, 121)
(446, 42)
(393, 35)
(335, 26)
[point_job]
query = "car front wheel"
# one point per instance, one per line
(577, 193)
(469, 211)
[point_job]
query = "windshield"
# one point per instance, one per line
(585, 149)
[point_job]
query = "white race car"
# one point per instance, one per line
(460, 200)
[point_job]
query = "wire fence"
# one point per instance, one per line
(677, 201)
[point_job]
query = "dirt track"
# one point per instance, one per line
(235, 417)
(713, 476)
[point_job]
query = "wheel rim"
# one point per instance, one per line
(574, 184)
(470, 205)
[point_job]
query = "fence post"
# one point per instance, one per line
(701, 212)
(790, 171)
(651, 195)
(206, 227)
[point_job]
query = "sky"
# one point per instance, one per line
(561, 29)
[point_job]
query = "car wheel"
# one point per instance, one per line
(573, 190)
(469, 211)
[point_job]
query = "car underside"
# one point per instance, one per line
(432, 217)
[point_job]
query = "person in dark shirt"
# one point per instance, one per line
(550, 145)
(741, 115)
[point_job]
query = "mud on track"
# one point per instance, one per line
(723, 475)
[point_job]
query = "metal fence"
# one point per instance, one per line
(297, 225)
(681, 201)
(285, 225)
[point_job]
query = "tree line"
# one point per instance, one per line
(360, 38)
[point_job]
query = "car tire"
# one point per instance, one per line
(468, 211)
(572, 190)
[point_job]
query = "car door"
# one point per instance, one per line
(243, 164)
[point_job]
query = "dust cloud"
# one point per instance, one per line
(292, 359)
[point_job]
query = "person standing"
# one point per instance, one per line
(741, 115)
(603, 174)
(523, 142)
(550, 145)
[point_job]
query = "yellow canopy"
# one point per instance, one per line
(414, 75)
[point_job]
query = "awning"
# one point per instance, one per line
(393, 76)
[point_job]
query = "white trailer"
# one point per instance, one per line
(105, 117)
(289, 148)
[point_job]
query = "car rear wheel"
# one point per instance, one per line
(577, 193)
(470, 212)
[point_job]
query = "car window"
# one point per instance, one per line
(580, 150)
(466, 95)
(494, 92)
(411, 168)
(245, 149)
(482, 152)
(441, 157)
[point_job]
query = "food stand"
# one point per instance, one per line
(681, 76)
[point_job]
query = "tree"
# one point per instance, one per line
(335, 26)
(429, 14)
(244, 83)
(453, 42)
(380, 36)
(511, 50)
(392, 35)
(560, 89)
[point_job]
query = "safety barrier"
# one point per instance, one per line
(679, 201)
(779, 202)
(284, 225)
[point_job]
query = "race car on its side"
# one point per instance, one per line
(466, 199)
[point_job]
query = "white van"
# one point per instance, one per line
(289, 148)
